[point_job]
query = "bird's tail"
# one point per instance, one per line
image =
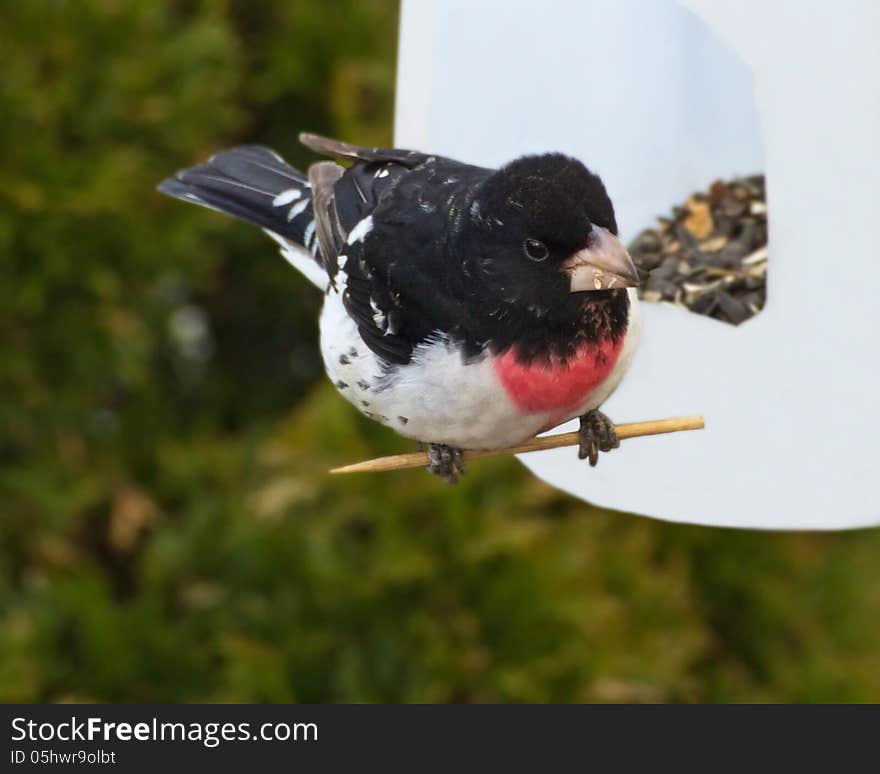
(255, 184)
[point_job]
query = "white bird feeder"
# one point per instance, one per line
(661, 98)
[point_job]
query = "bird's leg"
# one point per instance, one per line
(446, 461)
(596, 434)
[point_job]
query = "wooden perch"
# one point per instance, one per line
(630, 430)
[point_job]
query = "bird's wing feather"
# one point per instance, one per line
(412, 191)
(396, 261)
(327, 146)
(323, 177)
(252, 183)
(367, 302)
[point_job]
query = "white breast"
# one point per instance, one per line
(437, 397)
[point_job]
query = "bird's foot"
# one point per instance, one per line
(446, 462)
(596, 434)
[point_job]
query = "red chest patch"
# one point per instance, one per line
(556, 386)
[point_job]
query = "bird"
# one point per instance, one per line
(464, 307)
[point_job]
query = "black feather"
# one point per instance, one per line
(327, 146)
(244, 182)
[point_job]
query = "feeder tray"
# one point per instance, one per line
(710, 256)
(660, 99)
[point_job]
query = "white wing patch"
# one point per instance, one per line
(297, 208)
(378, 316)
(286, 197)
(302, 261)
(309, 234)
(363, 227)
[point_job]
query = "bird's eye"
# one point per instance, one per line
(535, 250)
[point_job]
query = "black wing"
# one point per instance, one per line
(345, 150)
(342, 198)
(403, 285)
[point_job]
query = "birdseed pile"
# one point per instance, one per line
(710, 256)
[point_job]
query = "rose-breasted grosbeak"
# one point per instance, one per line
(465, 307)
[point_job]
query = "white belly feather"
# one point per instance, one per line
(436, 397)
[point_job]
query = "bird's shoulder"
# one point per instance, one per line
(402, 283)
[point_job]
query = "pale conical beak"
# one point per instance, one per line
(602, 265)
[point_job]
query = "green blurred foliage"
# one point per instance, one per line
(167, 530)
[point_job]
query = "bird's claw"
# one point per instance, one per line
(596, 434)
(446, 462)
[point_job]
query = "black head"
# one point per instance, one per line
(553, 192)
(541, 234)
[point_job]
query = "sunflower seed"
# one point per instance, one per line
(710, 256)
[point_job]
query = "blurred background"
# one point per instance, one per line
(167, 528)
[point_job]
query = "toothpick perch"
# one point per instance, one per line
(630, 430)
